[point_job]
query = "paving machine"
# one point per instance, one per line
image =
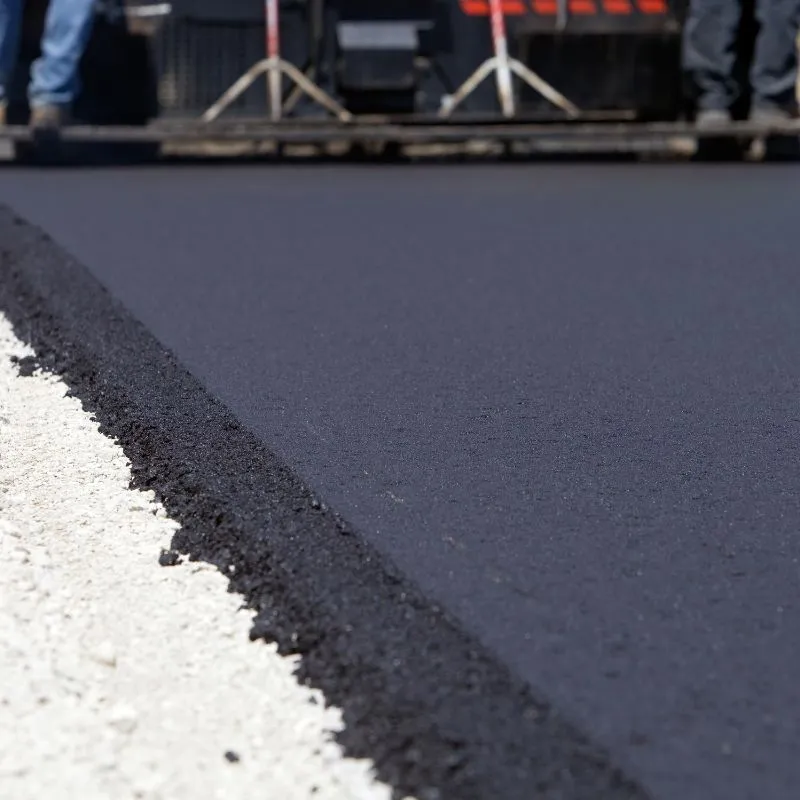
(563, 74)
(407, 57)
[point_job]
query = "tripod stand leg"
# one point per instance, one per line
(505, 90)
(237, 89)
(468, 87)
(294, 96)
(314, 92)
(274, 75)
(274, 68)
(544, 88)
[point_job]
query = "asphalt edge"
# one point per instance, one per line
(437, 715)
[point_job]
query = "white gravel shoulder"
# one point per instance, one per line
(120, 678)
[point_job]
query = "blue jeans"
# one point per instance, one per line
(54, 77)
(709, 39)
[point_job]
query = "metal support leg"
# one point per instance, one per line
(545, 89)
(275, 68)
(503, 66)
(538, 84)
(315, 20)
(451, 102)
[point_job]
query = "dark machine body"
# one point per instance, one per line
(402, 56)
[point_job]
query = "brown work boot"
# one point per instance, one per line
(48, 117)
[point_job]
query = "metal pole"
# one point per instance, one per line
(562, 15)
(272, 18)
(505, 89)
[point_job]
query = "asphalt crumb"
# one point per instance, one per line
(169, 558)
(27, 366)
(452, 722)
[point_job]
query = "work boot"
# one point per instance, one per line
(715, 144)
(48, 117)
(712, 118)
(772, 115)
(781, 146)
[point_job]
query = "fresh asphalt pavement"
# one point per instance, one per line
(563, 399)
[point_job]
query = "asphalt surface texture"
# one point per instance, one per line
(562, 399)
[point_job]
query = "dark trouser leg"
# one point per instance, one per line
(774, 72)
(10, 21)
(54, 76)
(709, 50)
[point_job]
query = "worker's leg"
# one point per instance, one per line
(10, 22)
(709, 51)
(774, 70)
(54, 78)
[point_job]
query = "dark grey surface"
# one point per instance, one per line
(563, 399)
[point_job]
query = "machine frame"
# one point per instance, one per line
(562, 129)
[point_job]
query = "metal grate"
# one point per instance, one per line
(197, 61)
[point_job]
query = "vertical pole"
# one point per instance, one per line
(500, 42)
(562, 15)
(274, 56)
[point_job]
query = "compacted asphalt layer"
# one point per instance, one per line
(563, 400)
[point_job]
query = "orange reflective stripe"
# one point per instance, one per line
(617, 6)
(517, 8)
(652, 6)
(480, 8)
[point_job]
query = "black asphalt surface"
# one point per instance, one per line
(563, 399)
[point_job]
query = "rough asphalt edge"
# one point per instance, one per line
(437, 715)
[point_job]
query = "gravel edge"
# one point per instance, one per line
(426, 703)
(119, 678)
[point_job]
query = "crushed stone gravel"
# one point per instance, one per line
(126, 672)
